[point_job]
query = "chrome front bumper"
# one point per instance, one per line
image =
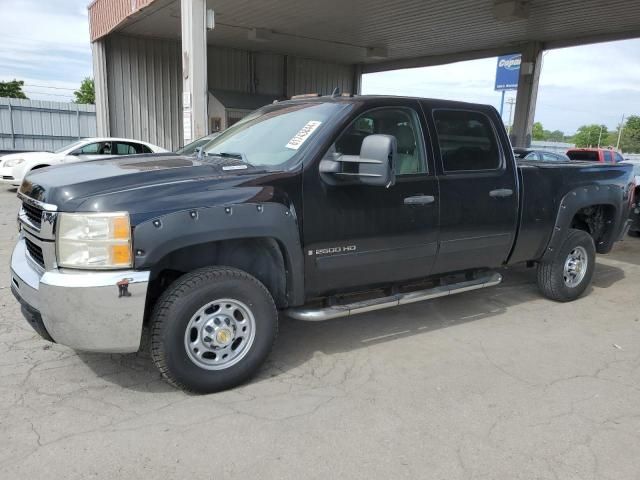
(85, 310)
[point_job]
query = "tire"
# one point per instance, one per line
(634, 233)
(557, 278)
(198, 320)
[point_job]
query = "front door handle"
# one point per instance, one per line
(420, 200)
(501, 192)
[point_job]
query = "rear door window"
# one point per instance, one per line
(125, 149)
(131, 148)
(467, 141)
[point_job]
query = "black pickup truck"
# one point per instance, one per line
(315, 207)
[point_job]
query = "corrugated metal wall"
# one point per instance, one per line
(269, 68)
(313, 76)
(41, 125)
(229, 69)
(144, 82)
(144, 85)
(257, 72)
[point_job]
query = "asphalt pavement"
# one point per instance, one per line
(493, 384)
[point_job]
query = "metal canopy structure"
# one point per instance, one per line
(390, 34)
(377, 35)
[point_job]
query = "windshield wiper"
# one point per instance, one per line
(233, 155)
(238, 155)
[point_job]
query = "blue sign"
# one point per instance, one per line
(507, 72)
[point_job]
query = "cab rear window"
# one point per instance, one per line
(586, 156)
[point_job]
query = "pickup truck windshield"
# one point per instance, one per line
(271, 136)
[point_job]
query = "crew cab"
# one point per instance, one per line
(315, 208)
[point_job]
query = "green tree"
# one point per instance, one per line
(538, 131)
(555, 136)
(86, 93)
(630, 139)
(588, 135)
(12, 89)
(611, 140)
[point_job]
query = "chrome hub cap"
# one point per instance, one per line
(219, 334)
(575, 267)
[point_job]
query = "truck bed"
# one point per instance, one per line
(544, 185)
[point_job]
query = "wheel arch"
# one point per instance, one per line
(594, 209)
(262, 240)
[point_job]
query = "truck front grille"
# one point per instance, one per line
(35, 252)
(33, 213)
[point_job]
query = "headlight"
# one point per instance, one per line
(94, 240)
(13, 162)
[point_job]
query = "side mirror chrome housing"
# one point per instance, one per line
(374, 166)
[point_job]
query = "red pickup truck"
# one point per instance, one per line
(602, 155)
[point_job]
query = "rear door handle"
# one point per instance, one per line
(420, 200)
(501, 192)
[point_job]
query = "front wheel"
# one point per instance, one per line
(212, 329)
(565, 277)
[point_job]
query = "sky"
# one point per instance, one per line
(581, 85)
(46, 44)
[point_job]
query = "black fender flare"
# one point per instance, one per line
(157, 237)
(577, 199)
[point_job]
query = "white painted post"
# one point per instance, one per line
(527, 94)
(194, 69)
(98, 49)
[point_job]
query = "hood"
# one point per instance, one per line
(140, 183)
(30, 156)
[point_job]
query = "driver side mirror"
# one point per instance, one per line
(374, 166)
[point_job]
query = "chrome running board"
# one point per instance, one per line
(337, 311)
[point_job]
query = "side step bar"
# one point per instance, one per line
(337, 311)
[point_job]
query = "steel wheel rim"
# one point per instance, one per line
(575, 267)
(220, 334)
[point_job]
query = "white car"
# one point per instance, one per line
(15, 166)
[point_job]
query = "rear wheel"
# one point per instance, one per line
(212, 329)
(565, 277)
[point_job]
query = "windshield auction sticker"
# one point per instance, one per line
(305, 132)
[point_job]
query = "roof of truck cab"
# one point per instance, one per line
(346, 98)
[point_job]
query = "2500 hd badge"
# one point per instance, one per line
(332, 250)
(293, 211)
